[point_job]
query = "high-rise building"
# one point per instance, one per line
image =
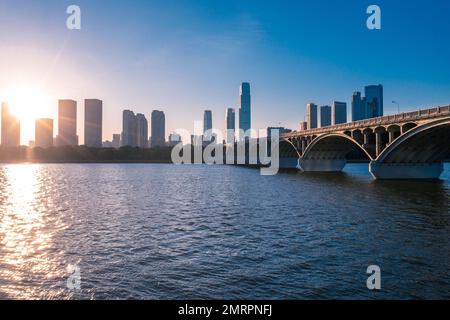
(303, 126)
(129, 129)
(325, 116)
(158, 138)
(359, 108)
(245, 116)
(44, 133)
(339, 113)
(142, 131)
(207, 125)
(230, 125)
(10, 127)
(67, 123)
(374, 101)
(93, 115)
(116, 143)
(311, 114)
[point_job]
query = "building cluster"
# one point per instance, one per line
(67, 126)
(370, 106)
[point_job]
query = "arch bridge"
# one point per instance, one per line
(410, 145)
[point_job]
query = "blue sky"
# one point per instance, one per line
(186, 56)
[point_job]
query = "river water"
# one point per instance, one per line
(155, 231)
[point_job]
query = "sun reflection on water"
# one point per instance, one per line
(26, 231)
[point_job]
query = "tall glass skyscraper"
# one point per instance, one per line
(339, 113)
(230, 125)
(142, 131)
(129, 129)
(245, 122)
(207, 124)
(359, 108)
(311, 114)
(374, 101)
(93, 116)
(158, 129)
(325, 116)
(67, 123)
(44, 133)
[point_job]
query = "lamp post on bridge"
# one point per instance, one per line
(398, 106)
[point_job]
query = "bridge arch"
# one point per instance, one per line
(428, 143)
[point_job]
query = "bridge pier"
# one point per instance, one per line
(322, 165)
(405, 171)
(289, 163)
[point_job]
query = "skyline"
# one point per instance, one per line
(135, 58)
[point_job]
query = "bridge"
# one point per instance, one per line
(411, 145)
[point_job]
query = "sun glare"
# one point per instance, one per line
(28, 103)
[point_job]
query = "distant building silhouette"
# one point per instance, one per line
(129, 129)
(93, 116)
(374, 101)
(10, 127)
(245, 114)
(339, 113)
(207, 124)
(116, 143)
(280, 130)
(230, 125)
(142, 131)
(359, 107)
(44, 133)
(158, 138)
(67, 123)
(311, 114)
(325, 116)
(303, 125)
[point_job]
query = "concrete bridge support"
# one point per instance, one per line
(322, 165)
(403, 171)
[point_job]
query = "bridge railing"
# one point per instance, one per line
(386, 120)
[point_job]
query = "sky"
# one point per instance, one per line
(185, 56)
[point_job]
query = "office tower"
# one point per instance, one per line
(10, 127)
(339, 113)
(93, 115)
(174, 139)
(44, 133)
(359, 108)
(325, 116)
(245, 116)
(142, 131)
(207, 125)
(158, 138)
(311, 113)
(374, 101)
(129, 129)
(67, 123)
(116, 143)
(230, 125)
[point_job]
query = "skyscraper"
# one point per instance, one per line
(10, 127)
(325, 116)
(93, 115)
(67, 123)
(339, 113)
(129, 129)
(245, 116)
(142, 131)
(374, 101)
(44, 133)
(230, 125)
(207, 124)
(311, 113)
(359, 108)
(158, 138)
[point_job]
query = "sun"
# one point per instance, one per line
(27, 103)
